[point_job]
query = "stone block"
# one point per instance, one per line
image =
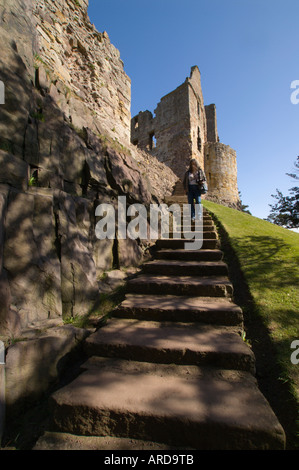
(125, 177)
(33, 365)
(14, 171)
(43, 79)
(72, 155)
(129, 253)
(78, 272)
(5, 296)
(103, 254)
(30, 257)
(96, 175)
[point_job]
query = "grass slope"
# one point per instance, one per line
(264, 262)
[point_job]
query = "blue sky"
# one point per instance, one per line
(248, 54)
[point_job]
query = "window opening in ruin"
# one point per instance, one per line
(136, 124)
(152, 141)
(198, 140)
(198, 108)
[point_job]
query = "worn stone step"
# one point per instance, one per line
(185, 406)
(175, 243)
(185, 212)
(171, 343)
(190, 224)
(184, 209)
(179, 199)
(192, 255)
(187, 216)
(65, 441)
(206, 286)
(220, 311)
(192, 268)
(205, 226)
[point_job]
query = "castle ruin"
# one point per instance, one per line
(184, 128)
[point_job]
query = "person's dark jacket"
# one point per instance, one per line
(200, 178)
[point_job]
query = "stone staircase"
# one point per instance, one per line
(170, 368)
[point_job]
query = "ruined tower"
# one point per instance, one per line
(184, 128)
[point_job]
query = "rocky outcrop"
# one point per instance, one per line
(64, 149)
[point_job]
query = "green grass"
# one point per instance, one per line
(267, 285)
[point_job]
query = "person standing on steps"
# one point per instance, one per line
(193, 179)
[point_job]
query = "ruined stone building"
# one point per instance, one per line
(184, 128)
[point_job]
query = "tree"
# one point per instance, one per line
(243, 207)
(286, 211)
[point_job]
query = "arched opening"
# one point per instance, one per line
(152, 141)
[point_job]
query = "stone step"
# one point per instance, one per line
(208, 224)
(192, 268)
(176, 243)
(192, 255)
(219, 311)
(183, 203)
(207, 227)
(171, 343)
(206, 218)
(198, 408)
(65, 441)
(212, 286)
(185, 213)
(180, 193)
(190, 234)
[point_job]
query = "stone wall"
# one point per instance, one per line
(82, 69)
(212, 132)
(197, 116)
(221, 173)
(172, 129)
(143, 131)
